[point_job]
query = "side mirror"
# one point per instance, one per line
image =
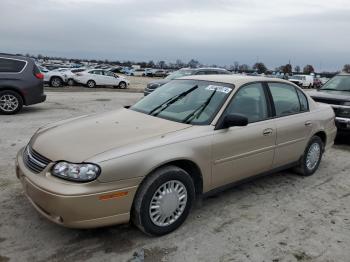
(232, 120)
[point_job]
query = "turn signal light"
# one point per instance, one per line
(113, 195)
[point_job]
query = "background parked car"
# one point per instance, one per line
(302, 80)
(21, 83)
(159, 73)
(336, 92)
(184, 72)
(54, 78)
(98, 77)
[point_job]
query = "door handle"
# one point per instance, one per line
(267, 131)
(308, 123)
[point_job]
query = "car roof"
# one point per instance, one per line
(236, 80)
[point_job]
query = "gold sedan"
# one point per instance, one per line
(192, 136)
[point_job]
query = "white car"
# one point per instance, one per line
(98, 77)
(302, 80)
(54, 78)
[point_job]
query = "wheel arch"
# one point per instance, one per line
(14, 89)
(322, 134)
(56, 76)
(189, 166)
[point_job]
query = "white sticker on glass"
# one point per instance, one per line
(222, 89)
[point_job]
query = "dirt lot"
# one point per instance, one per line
(282, 217)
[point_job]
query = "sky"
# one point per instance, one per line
(211, 31)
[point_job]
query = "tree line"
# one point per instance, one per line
(258, 67)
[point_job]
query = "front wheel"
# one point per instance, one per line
(122, 85)
(163, 201)
(311, 159)
(70, 82)
(56, 82)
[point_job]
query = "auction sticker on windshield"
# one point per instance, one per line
(222, 89)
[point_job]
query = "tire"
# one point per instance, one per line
(91, 84)
(56, 82)
(10, 102)
(308, 165)
(122, 85)
(151, 189)
(71, 82)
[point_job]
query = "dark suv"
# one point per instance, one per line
(184, 72)
(21, 83)
(336, 92)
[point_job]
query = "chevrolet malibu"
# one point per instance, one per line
(193, 136)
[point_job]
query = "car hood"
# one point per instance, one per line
(79, 139)
(330, 95)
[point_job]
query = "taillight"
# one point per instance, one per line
(39, 75)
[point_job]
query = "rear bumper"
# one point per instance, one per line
(35, 99)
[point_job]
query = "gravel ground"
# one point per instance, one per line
(282, 217)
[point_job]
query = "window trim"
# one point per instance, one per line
(273, 102)
(21, 60)
(270, 108)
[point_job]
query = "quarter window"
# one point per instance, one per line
(304, 105)
(250, 101)
(285, 99)
(11, 65)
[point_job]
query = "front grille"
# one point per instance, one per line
(34, 161)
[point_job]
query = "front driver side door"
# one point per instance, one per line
(240, 152)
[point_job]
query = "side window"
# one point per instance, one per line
(285, 98)
(304, 105)
(200, 73)
(108, 73)
(250, 101)
(11, 66)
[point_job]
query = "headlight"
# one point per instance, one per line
(84, 172)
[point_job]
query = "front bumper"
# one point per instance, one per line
(77, 205)
(343, 124)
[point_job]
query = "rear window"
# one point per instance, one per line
(11, 65)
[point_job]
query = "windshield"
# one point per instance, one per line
(179, 73)
(186, 101)
(338, 83)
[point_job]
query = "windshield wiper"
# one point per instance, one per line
(199, 110)
(171, 101)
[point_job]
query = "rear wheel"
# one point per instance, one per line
(91, 84)
(56, 82)
(10, 102)
(163, 201)
(311, 159)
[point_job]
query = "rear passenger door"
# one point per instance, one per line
(293, 122)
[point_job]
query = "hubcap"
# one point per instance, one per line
(91, 84)
(313, 156)
(168, 203)
(122, 85)
(56, 82)
(8, 103)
